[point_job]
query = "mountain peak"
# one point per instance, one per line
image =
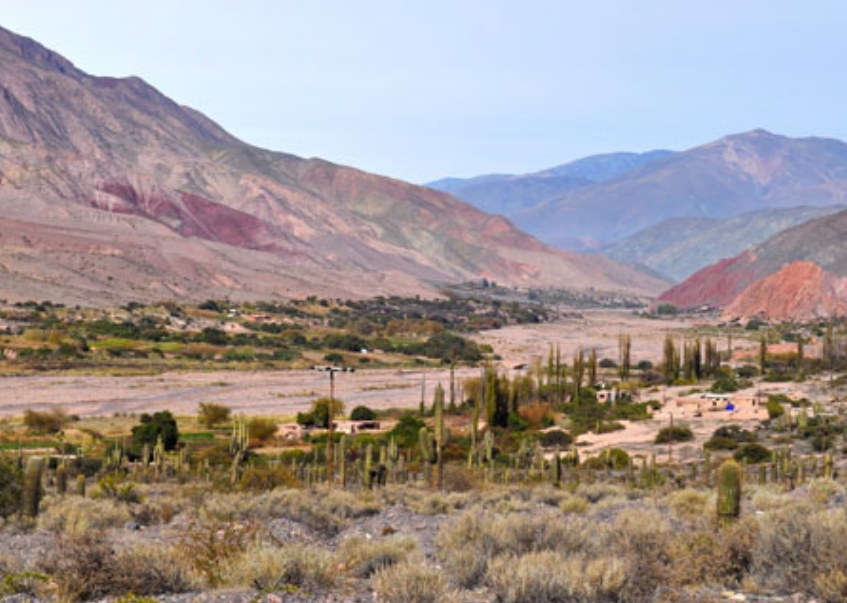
(34, 53)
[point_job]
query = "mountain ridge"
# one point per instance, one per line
(798, 273)
(102, 151)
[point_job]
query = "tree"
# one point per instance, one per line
(51, 421)
(362, 413)
(213, 414)
(152, 426)
(318, 416)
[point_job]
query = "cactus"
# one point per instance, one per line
(438, 411)
(557, 469)
(729, 493)
(80, 485)
(61, 480)
(368, 471)
(342, 460)
(237, 446)
(32, 486)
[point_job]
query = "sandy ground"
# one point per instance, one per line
(257, 393)
(285, 393)
(593, 329)
(637, 437)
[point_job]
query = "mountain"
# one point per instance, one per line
(798, 273)
(110, 191)
(734, 175)
(679, 247)
(509, 194)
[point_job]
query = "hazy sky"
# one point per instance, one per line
(422, 90)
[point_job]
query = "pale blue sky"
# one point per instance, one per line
(422, 90)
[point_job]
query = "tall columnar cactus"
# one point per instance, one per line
(440, 438)
(342, 460)
(80, 485)
(32, 486)
(368, 470)
(557, 469)
(488, 448)
(61, 480)
(729, 492)
(238, 442)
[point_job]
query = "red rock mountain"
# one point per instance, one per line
(110, 191)
(799, 273)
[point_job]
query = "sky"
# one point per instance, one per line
(424, 90)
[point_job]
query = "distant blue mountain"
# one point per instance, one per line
(510, 194)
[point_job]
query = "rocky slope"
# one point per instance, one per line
(110, 191)
(679, 247)
(799, 273)
(736, 174)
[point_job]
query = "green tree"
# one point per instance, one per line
(152, 426)
(213, 414)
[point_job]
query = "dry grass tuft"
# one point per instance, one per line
(267, 567)
(365, 557)
(75, 515)
(412, 583)
(547, 576)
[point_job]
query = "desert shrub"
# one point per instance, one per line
(262, 479)
(210, 547)
(801, 549)
(407, 430)
(754, 453)
(573, 505)
(326, 514)
(774, 406)
(412, 583)
(77, 516)
(690, 504)
(556, 437)
(468, 542)
(50, 421)
(594, 493)
(723, 384)
(677, 433)
(261, 428)
(821, 491)
(318, 416)
(211, 414)
(268, 568)
(549, 576)
(709, 557)
(85, 567)
(116, 487)
(719, 443)
(641, 537)
(365, 557)
(363, 413)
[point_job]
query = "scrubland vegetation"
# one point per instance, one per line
(483, 493)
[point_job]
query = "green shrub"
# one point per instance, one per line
(213, 414)
(677, 433)
(753, 453)
(774, 406)
(556, 437)
(362, 413)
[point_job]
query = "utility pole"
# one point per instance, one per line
(330, 443)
